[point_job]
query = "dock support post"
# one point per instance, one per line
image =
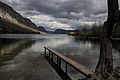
(66, 68)
(59, 59)
(52, 56)
(45, 51)
(49, 54)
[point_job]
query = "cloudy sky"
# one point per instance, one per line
(65, 14)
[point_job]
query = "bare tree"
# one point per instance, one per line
(105, 69)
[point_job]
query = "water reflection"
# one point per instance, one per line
(27, 50)
(9, 48)
(116, 51)
(85, 52)
(116, 45)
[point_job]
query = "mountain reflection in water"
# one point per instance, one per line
(9, 48)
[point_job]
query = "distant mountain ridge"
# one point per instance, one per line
(62, 31)
(41, 28)
(57, 31)
(12, 22)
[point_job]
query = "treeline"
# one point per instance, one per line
(94, 31)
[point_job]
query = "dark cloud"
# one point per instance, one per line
(63, 11)
(62, 8)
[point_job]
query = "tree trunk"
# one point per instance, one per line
(113, 12)
(104, 69)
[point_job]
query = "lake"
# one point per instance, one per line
(17, 50)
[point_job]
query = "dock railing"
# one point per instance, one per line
(79, 67)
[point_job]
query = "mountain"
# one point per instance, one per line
(41, 28)
(62, 31)
(12, 22)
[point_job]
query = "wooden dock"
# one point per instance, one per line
(79, 67)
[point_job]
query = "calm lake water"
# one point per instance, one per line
(19, 48)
